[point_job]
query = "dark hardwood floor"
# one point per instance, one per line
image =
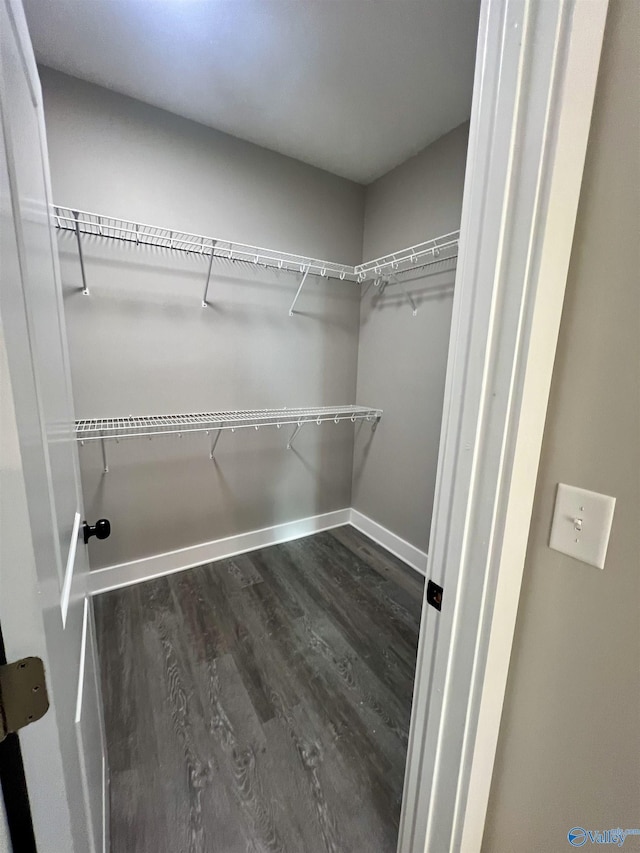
(262, 703)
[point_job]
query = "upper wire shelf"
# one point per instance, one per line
(98, 225)
(425, 254)
(386, 268)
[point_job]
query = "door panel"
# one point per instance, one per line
(43, 311)
(43, 561)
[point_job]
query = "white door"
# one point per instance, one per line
(43, 560)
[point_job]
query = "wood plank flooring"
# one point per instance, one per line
(261, 704)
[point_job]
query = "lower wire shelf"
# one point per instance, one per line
(103, 429)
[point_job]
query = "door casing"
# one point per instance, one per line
(536, 70)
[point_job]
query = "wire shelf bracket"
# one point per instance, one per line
(414, 308)
(294, 434)
(206, 287)
(299, 291)
(105, 465)
(214, 444)
(85, 289)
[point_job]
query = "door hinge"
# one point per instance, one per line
(434, 595)
(23, 694)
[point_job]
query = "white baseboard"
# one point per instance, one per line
(399, 547)
(158, 565)
(125, 574)
(83, 656)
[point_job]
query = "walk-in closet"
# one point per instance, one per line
(256, 209)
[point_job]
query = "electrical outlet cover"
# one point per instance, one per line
(582, 524)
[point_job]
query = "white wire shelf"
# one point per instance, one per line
(112, 228)
(97, 428)
(433, 251)
(97, 225)
(103, 429)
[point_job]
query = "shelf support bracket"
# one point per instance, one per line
(85, 289)
(105, 466)
(206, 287)
(295, 432)
(214, 443)
(414, 307)
(295, 298)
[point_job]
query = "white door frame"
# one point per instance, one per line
(536, 71)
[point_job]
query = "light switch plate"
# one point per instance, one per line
(582, 524)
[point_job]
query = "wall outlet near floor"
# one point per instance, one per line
(582, 524)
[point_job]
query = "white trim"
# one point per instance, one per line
(68, 572)
(158, 565)
(397, 546)
(83, 772)
(536, 68)
(572, 121)
(83, 657)
(88, 647)
(147, 568)
(97, 684)
(106, 831)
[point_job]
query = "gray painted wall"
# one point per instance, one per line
(141, 343)
(401, 358)
(569, 748)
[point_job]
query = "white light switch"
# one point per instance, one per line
(582, 524)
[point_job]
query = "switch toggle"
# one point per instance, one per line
(582, 524)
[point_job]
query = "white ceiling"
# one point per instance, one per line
(352, 86)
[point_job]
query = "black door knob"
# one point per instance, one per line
(101, 530)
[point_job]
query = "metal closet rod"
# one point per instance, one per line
(82, 222)
(103, 429)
